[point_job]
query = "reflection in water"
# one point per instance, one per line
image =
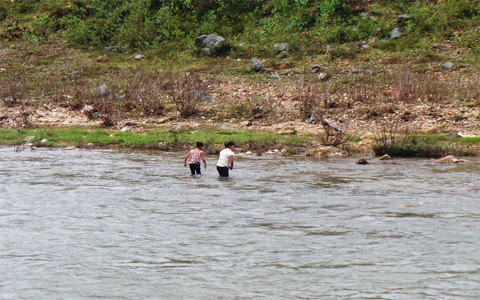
(103, 224)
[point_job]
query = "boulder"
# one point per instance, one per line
(452, 134)
(180, 127)
(206, 99)
(326, 151)
(361, 46)
(209, 43)
(323, 76)
(115, 49)
(165, 119)
(281, 48)
(395, 33)
(70, 148)
(246, 123)
(126, 128)
(450, 159)
(316, 68)
(287, 130)
(9, 100)
(274, 76)
(362, 161)
(385, 157)
(447, 66)
(29, 138)
(405, 17)
(102, 91)
(256, 65)
(228, 128)
(102, 58)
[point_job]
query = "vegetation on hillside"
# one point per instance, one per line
(250, 25)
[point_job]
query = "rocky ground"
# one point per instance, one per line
(362, 97)
(284, 117)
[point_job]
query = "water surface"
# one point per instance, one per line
(92, 224)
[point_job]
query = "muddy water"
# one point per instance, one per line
(110, 225)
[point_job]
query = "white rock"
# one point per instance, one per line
(29, 138)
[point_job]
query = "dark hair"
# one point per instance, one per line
(199, 144)
(229, 143)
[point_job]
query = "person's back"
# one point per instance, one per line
(194, 157)
(225, 160)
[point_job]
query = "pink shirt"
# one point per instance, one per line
(195, 157)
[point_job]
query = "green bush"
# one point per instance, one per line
(25, 6)
(3, 12)
(82, 33)
(335, 9)
(256, 24)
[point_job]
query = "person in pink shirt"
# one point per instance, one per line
(194, 157)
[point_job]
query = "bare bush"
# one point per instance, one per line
(143, 91)
(187, 92)
(314, 96)
(392, 136)
(14, 90)
(335, 135)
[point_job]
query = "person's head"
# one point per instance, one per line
(230, 145)
(199, 145)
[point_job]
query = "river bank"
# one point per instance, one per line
(369, 99)
(284, 141)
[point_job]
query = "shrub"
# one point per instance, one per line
(25, 6)
(335, 8)
(81, 33)
(187, 92)
(3, 12)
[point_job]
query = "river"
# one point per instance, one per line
(101, 224)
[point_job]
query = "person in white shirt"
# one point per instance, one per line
(225, 161)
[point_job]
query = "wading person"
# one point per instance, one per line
(194, 157)
(225, 161)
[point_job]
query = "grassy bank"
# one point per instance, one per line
(415, 145)
(434, 146)
(213, 138)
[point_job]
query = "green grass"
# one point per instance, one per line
(470, 140)
(434, 145)
(212, 138)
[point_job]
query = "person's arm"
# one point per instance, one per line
(230, 162)
(185, 160)
(204, 161)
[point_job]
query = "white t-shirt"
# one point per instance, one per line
(224, 156)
